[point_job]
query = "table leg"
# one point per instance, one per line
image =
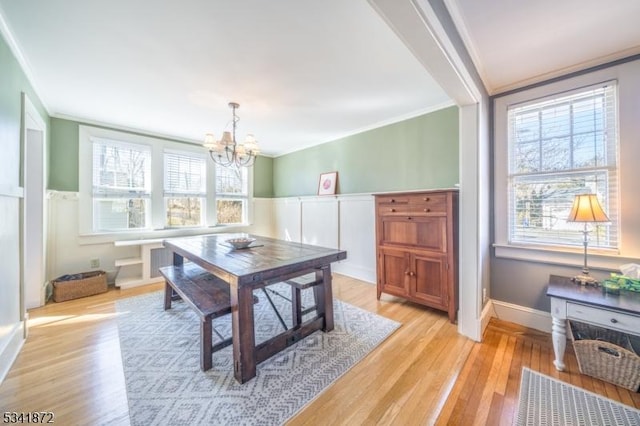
(244, 359)
(324, 297)
(559, 338)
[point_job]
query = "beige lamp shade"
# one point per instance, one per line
(209, 141)
(587, 208)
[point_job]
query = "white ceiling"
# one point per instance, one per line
(304, 71)
(514, 43)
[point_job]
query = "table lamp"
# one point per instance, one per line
(586, 209)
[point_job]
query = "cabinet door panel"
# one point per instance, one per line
(399, 231)
(432, 233)
(430, 280)
(393, 276)
(424, 232)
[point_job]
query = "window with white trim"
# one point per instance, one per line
(561, 146)
(231, 195)
(132, 183)
(121, 185)
(185, 188)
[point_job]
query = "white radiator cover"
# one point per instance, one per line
(159, 258)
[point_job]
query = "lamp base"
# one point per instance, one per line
(585, 280)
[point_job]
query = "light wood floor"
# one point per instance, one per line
(424, 373)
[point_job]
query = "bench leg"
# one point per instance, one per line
(206, 355)
(168, 290)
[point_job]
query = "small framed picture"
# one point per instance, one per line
(327, 184)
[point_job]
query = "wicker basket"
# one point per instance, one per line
(606, 354)
(69, 287)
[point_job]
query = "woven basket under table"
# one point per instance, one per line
(79, 285)
(604, 356)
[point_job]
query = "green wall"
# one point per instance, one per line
(63, 158)
(263, 177)
(63, 167)
(419, 153)
(13, 82)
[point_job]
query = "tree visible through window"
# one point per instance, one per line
(231, 194)
(560, 147)
(139, 183)
(121, 185)
(185, 188)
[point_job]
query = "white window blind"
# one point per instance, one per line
(121, 185)
(559, 147)
(231, 180)
(185, 188)
(231, 194)
(184, 174)
(121, 169)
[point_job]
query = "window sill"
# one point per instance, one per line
(109, 238)
(597, 259)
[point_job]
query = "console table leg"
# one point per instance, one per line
(559, 338)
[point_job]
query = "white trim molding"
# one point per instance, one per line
(488, 312)
(528, 317)
(14, 342)
(11, 191)
(627, 76)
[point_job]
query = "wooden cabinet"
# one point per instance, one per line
(416, 245)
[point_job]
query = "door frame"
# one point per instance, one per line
(32, 121)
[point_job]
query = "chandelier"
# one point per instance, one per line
(226, 151)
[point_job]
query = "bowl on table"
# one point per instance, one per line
(240, 243)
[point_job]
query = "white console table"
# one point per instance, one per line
(588, 304)
(143, 262)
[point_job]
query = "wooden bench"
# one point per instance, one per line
(296, 299)
(297, 310)
(207, 295)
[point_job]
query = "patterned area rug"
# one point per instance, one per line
(547, 401)
(160, 352)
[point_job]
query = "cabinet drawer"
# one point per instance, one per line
(428, 203)
(413, 204)
(392, 209)
(605, 318)
(392, 199)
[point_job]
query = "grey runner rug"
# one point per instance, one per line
(160, 353)
(547, 401)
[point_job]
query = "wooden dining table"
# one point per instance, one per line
(267, 261)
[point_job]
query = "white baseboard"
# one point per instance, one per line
(128, 283)
(355, 271)
(488, 312)
(522, 315)
(10, 350)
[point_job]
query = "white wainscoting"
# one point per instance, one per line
(346, 222)
(12, 317)
(69, 252)
(287, 219)
(320, 222)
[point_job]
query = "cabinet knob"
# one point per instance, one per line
(614, 321)
(392, 210)
(409, 218)
(393, 201)
(427, 198)
(411, 274)
(407, 273)
(427, 210)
